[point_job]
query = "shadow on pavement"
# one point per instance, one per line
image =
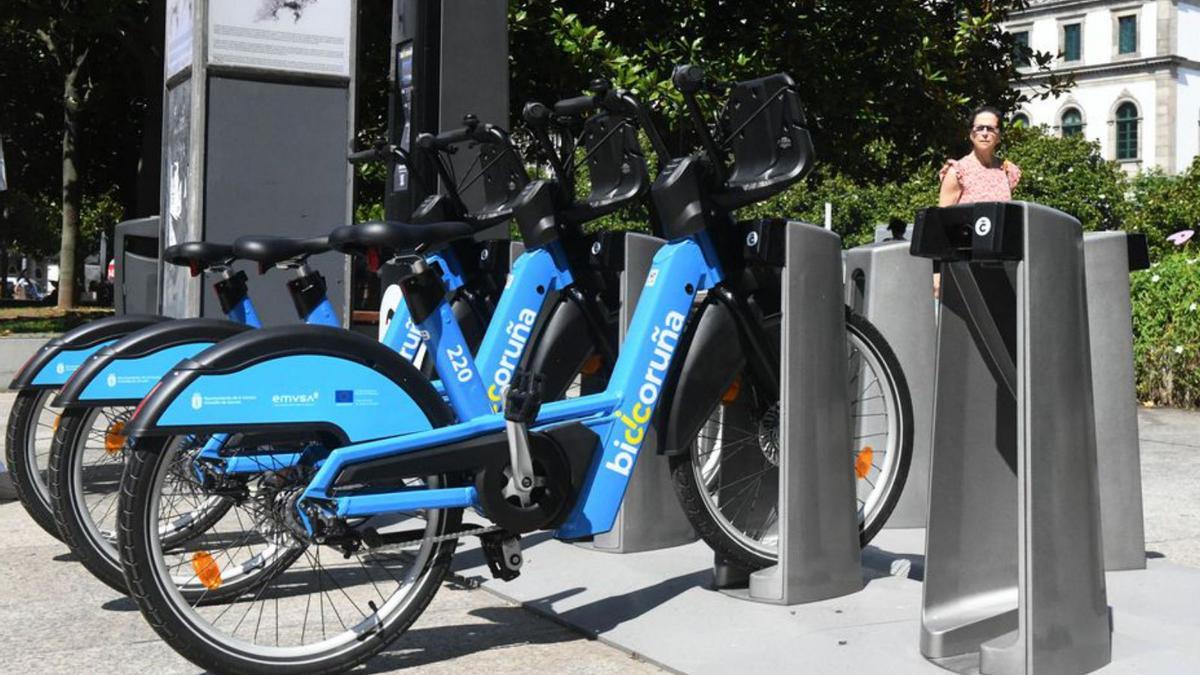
(508, 627)
(121, 604)
(608, 613)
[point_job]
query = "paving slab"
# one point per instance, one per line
(655, 606)
(659, 606)
(56, 618)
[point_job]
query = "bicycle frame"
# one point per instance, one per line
(535, 274)
(401, 334)
(619, 416)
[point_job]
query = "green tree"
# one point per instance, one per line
(78, 52)
(1158, 205)
(905, 72)
(1068, 174)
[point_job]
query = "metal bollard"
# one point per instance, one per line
(819, 555)
(894, 291)
(1108, 258)
(8, 491)
(650, 517)
(1014, 569)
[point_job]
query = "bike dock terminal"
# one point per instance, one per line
(1021, 587)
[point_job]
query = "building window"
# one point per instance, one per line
(1021, 48)
(1127, 131)
(1127, 34)
(1072, 41)
(1071, 123)
(1020, 120)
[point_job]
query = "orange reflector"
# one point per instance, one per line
(732, 392)
(114, 438)
(862, 462)
(206, 570)
(592, 365)
(57, 419)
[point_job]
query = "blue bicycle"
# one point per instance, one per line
(88, 453)
(33, 424)
(88, 449)
(351, 536)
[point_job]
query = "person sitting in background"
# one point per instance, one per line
(980, 176)
(24, 288)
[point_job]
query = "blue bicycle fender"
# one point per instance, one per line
(122, 373)
(60, 357)
(306, 376)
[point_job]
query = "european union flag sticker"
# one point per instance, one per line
(343, 396)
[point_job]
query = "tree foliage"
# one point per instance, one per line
(886, 85)
(74, 76)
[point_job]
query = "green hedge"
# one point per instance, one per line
(1166, 329)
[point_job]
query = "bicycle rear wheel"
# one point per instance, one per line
(31, 426)
(250, 595)
(86, 462)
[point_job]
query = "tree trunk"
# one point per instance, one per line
(70, 193)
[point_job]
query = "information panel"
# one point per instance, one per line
(180, 19)
(299, 36)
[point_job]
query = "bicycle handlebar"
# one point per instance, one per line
(378, 153)
(536, 114)
(609, 99)
(472, 130)
(577, 105)
(690, 79)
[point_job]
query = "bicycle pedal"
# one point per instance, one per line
(503, 554)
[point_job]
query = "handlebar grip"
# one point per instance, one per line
(363, 156)
(444, 140)
(536, 114)
(574, 106)
(480, 133)
(688, 78)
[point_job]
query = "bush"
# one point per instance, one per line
(1166, 330)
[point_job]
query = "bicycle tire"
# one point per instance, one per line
(697, 503)
(179, 625)
(28, 479)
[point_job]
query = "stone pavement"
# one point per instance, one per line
(55, 618)
(1170, 441)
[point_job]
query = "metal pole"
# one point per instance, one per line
(103, 256)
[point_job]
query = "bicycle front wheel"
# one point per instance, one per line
(728, 481)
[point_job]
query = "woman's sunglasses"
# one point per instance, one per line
(981, 128)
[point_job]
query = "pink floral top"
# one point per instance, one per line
(980, 183)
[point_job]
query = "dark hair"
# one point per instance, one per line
(986, 109)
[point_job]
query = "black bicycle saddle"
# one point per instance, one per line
(395, 236)
(199, 254)
(269, 250)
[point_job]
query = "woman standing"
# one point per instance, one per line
(979, 176)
